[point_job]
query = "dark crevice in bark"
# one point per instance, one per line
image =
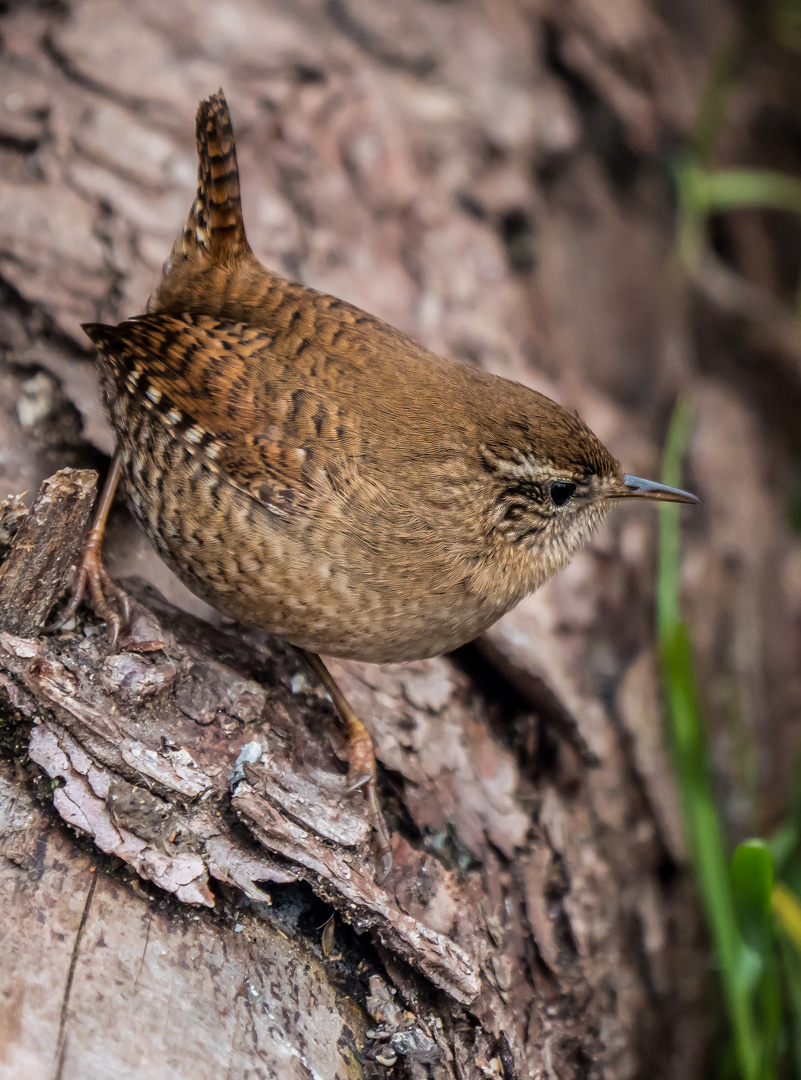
(604, 132)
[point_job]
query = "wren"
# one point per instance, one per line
(308, 469)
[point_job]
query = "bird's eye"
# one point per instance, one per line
(561, 492)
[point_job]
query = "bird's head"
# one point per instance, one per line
(553, 482)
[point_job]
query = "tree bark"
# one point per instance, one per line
(486, 177)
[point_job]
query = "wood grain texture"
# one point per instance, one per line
(45, 550)
(178, 996)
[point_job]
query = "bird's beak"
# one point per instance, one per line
(635, 487)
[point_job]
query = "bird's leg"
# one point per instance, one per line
(362, 770)
(92, 573)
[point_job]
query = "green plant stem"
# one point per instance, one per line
(702, 192)
(687, 735)
(734, 189)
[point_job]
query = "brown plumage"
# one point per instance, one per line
(307, 468)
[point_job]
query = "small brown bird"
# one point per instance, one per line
(306, 468)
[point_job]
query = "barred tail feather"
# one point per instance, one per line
(214, 234)
(215, 221)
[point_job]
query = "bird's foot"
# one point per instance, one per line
(362, 777)
(108, 601)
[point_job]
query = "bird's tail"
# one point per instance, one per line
(214, 234)
(215, 220)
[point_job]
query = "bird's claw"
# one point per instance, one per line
(357, 781)
(103, 592)
(383, 846)
(362, 771)
(362, 776)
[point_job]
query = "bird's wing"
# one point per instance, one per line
(224, 392)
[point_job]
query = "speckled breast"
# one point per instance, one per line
(293, 578)
(227, 549)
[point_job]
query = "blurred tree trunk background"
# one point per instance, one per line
(495, 177)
